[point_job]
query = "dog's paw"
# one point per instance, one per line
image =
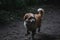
(27, 37)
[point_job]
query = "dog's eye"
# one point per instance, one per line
(26, 18)
(30, 17)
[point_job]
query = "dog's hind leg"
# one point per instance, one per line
(39, 29)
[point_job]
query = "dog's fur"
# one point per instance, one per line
(33, 21)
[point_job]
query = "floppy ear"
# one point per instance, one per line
(25, 16)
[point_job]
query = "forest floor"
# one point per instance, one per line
(50, 25)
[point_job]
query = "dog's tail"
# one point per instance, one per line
(40, 11)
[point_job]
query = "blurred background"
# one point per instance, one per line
(11, 10)
(11, 19)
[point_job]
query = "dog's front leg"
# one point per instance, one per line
(27, 33)
(39, 27)
(33, 33)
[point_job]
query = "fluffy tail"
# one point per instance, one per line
(40, 11)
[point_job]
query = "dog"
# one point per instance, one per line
(33, 21)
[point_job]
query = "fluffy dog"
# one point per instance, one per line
(33, 21)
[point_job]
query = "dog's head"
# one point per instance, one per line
(29, 19)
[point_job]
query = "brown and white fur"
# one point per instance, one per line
(33, 21)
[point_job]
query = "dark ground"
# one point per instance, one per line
(50, 26)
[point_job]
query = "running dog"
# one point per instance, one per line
(33, 21)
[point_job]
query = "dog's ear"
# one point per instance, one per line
(25, 16)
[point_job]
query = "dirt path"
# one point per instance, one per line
(50, 25)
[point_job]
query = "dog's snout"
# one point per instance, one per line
(32, 20)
